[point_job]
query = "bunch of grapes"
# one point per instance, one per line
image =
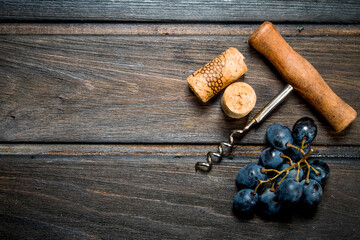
(283, 178)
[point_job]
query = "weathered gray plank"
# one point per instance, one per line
(176, 151)
(151, 195)
(220, 29)
(129, 88)
(333, 11)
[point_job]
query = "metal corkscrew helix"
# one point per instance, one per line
(206, 166)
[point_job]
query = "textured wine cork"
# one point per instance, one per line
(238, 100)
(217, 74)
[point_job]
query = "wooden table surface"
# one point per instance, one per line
(99, 131)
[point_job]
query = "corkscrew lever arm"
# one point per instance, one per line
(206, 166)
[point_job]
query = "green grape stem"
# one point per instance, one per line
(299, 165)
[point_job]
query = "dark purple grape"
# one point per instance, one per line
(268, 204)
(270, 158)
(249, 176)
(245, 201)
(278, 136)
(312, 194)
(289, 192)
(304, 128)
(295, 154)
(323, 169)
(292, 173)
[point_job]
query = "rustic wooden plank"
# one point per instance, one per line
(154, 196)
(129, 88)
(220, 29)
(176, 151)
(333, 11)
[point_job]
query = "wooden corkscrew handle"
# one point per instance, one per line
(304, 78)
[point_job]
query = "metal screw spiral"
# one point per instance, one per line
(206, 166)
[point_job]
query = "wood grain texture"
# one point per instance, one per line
(153, 195)
(302, 76)
(82, 83)
(220, 29)
(129, 88)
(173, 150)
(334, 11)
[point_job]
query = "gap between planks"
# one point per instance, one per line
(171, 150)
(315, 30)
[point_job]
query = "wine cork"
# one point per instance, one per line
(238, 100)
(217, 74)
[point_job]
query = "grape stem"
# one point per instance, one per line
(303, 143)
(270, 170)
(299, 165)
(287, 157)
(315, 171)
(299, 149)
(297, 172)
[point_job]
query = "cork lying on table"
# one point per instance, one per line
(217, 74)
(238, 100)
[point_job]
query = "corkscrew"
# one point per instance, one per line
(211, 156)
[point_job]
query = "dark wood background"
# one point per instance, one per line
(99, 132)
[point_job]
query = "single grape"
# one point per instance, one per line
(270, 158)
(304, 128)
(324, 171)
(245, 201)
(289, 192)
(292, 173)
(295, 154)
(249, 176)
(312, 194)
(278, 136)
(268, 204)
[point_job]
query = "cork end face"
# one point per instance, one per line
(237, 58)
(238, 100)
(197, 87)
